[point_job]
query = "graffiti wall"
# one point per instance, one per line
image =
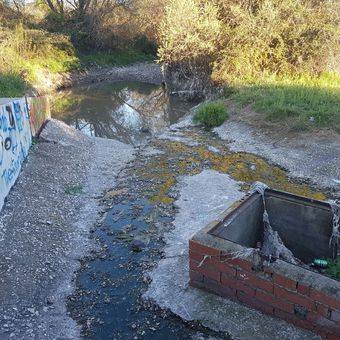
(20, 119)
(15, 137)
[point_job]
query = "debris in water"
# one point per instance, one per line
(272, 244)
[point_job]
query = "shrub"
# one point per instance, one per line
(31, 54)
(211, 114)
(277, 37)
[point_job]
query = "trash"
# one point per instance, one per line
(320, 263)
(272, 245)
(137, 246)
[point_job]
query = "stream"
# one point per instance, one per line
(141, 208)
(127, 111)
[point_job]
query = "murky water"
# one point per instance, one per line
(127, 111)
(108, 300)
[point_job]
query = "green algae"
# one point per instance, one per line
(182, 159)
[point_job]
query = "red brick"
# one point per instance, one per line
(323, 324)
(223, 267)
(304, 290)
(253, 280)
(255, 303)
(274, 301)
(293, 319)
(284, 282)
(268, 271)
(196, 284)
(211, 273)
(238, 285)
(218, 288)
(294, 297)
(195, 276)
(195, 256)
(325, 299)
(201, 249)
(229, 258)
(213, 264)
(322, 310)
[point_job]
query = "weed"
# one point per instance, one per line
(74, 190)
(333, 269)
(211, 114)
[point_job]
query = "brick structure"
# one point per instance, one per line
(307, 299)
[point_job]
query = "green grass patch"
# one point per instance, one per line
(306, 100)
(117, 58)
(12, 85)
(74, 190)
(211, 114)
(333, 269)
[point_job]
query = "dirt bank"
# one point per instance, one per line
(142, 72)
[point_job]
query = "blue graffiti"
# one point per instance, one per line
(9, 174)
(18, 116)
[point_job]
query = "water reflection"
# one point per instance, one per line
(127, 111)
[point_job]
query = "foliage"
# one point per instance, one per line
(333, 269)
(12, 85)
(31, 54)
(279, 56)
(305, 100)
(211, 114)
(277, 37)
(189, 31)
(74, 190)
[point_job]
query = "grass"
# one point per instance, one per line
(12, 85)
(33, 59)
(333, 269)
(74, 190)
(117, 58)
(310, 101)
(211, 114)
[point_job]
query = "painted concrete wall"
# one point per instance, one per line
(16, 133)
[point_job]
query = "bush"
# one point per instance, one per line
(211, 114)
(32, 54)
(277, 37)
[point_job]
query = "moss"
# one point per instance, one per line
(181, 159)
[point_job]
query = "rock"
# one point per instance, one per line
(137, 246)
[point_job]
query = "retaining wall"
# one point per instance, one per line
(20, 119)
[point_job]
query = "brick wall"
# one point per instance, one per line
(267, 291)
